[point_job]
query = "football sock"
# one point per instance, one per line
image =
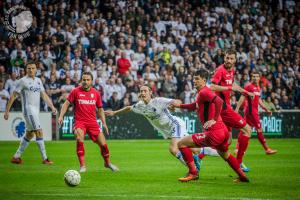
(23, 144)
(41, 144)
(105, 153)
(180, 157)
(243, 141)
(80, 153)
(262, 140)
(234, 164)
(189, 159)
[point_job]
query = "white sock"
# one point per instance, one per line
(41, 145)
(180, 157)
(23, 144)
(209, 151)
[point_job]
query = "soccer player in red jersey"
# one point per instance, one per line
(251, 110)
(223, 84)
(86, 100)
(208, 107)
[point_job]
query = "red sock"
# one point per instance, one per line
(237, 145)
(243, 144)
(188, 158)
(234, 164)
(262, 139)
(201, 156)
(80, 153)
(105, 154)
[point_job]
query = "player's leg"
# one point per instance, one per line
(234, 164)
(173, 149)
(234, 120)
(184, 146)
(79, 134)
(41, 144)
(263, 142)
(16, 159)
(101, 141)
(220, 142)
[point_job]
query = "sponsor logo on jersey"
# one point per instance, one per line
(228, 82)
(86, 102)
(34, 89)
(81, 95)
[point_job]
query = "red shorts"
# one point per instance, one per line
(217, 139)
(91, 128)
(253, 121)
(232, 119)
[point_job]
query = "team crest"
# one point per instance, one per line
(92, 95)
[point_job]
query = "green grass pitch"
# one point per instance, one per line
(148, 171)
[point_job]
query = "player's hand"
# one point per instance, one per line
(6, 115)
(110, 113)
(60, 120)
(175, 103)
(269, 113)
(106, 129)
(209, 123)
(54, 111)
(250, 94)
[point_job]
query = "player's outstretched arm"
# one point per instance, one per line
(263, 106)
(103, 120)
(63, 110)
(46, 98)
(112, 113)
(219, 88)
(237, 88)
(9, 104)
(239, 103)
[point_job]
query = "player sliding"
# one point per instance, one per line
(251, 110)
(30, 88)
(156, 112)
(86, 99)
(208, 107)
(223, 84)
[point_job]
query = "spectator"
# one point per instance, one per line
(114, 102)
(4, 97)
(169, 88)
(123, 64)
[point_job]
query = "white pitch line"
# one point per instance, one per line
(141, 195)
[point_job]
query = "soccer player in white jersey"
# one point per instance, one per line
(30, 88)
(156, 112)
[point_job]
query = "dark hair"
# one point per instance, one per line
(255, 72)
(87, 73)
(148, 86)
(230, 52)
(202, 73)
(31, 63)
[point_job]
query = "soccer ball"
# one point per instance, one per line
(72, 178)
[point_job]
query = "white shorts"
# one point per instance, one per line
(178, 129)
(32, 120)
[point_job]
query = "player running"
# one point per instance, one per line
(223, 84)
(86, 99)
(208, 107)
(251, 110)
(157, 113)
(30, 88)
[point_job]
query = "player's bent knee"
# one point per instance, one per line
(29, 135)
(39, 133)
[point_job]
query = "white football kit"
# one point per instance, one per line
(157, 113)
(30, 90)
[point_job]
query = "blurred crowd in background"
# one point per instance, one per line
(162, 43)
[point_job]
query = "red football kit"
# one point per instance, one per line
(251, 106)
(231, 119)
(217, 135)
(85, 104)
